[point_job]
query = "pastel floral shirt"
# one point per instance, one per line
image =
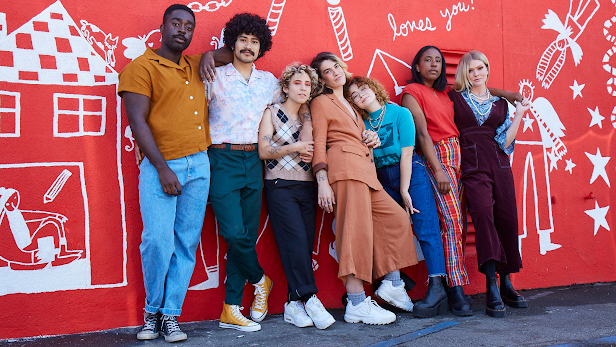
(236, 106)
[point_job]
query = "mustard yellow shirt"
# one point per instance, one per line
(178, 115)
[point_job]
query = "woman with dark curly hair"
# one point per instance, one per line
(403, 175)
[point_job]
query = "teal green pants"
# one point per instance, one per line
(236, 185)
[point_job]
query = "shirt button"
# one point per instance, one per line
(367, 154)
(372, 161)
(199, 127)
(196, 112)
(191, 97)
(186, 82)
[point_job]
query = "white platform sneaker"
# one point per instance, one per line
(395, 296)
(368, 312)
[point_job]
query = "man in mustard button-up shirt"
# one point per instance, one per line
(168, 114)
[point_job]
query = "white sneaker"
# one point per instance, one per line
(319, 315)
(368, 312)
(395, 296)
(295, 314)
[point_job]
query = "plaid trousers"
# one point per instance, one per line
(450, 210)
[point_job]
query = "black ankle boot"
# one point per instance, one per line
(510, 296)
(435, 301)
(457, 301)
(494, 305)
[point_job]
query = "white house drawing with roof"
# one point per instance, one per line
(59, 160)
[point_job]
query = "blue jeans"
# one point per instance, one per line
(171, 230)
(425, 223)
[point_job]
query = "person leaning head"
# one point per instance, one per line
(316, 64)
(463, 81)
(250, 24)
(298, 68)
(379, 91)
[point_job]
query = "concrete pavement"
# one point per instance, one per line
(580, 315)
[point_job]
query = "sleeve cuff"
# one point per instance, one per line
(320, 166)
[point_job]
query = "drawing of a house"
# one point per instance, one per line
(60, 150)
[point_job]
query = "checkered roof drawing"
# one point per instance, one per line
(49, 49)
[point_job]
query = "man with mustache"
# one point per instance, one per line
(237, 98)
(166, 108)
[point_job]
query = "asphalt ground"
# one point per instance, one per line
(579, 315)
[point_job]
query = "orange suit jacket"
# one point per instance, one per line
(338, 146)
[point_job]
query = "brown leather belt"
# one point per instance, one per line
(246, 148)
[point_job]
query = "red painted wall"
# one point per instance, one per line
(565, 231)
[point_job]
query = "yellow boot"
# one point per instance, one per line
(232, 318)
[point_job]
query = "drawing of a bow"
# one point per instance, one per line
(563, 40)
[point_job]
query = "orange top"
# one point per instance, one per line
(178, 115)
(338, 147)
(438, 109)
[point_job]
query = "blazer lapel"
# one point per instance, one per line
(343, 108)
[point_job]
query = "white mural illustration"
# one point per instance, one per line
(48, 54)
(210, 6)
(550, 132)
(398, 85)
(136, 46)
(101, 41)
(274, 14)
(218, 42)
(611, 82)
(577, 89)
(56, 186)
(553, 58)
(599, 163)
(212, 271)
(596, 117)
(598, 215)
(336, 16)
(613, 117)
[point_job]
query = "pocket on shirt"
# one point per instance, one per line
(469, 158)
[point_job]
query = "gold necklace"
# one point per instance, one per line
(433, 92)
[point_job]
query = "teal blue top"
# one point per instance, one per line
(397, 130)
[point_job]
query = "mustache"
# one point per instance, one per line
(247, 50)
(180, 36)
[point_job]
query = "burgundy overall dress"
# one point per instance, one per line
(488, 185)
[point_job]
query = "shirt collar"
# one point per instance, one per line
(151, 55)
(231, 70)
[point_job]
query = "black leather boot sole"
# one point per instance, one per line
(429, 312)
(518, 302)
(496, 313)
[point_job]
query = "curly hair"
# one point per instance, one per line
(298, 68)
(441, 82)
(379, 91)
(316, 64)
(250, 24)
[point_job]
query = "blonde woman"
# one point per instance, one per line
(291, 195)
(487, 136)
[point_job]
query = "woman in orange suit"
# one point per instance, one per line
(373, 233)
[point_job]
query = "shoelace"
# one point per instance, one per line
(317, 303)
(171, 323)
(150, 322)
(237, 314)
(260, 299)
